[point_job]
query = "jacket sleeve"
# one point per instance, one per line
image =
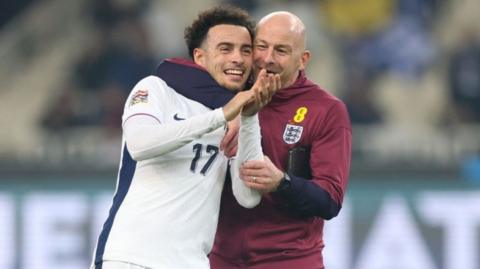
(330, 157)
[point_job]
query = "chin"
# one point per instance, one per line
(230, 87)
(234, 86)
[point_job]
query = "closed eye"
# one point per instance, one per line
(225, 47)
(247, 50)
(261, 46)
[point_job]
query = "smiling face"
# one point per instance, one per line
(279, 46)
(226, 53)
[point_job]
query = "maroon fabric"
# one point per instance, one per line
(269, 236)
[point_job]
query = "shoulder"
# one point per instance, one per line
(152, 82)
(330, 108)
(324, 98)
(154, 86)
(151, 90)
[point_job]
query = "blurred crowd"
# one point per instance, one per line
(118, 57)
(374, 38)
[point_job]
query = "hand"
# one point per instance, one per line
(262, 175)
(229, 143)
(264, 88)
(235, 105)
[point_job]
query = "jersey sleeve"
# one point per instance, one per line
(147, 98)
(249, 148)
(146, 133)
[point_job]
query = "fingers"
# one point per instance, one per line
(258, 182)
(256, 186)
(231, 135)
(277, 82)
(262, 92)
(274, 86)
(261, 84)
(261, 175)
(231, 149)
(265, 93)
(257, 175)
(248, 173)
(253, 164)
(230, 152)
(267, 85)
(227, 139)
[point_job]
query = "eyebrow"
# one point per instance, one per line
(276, 46)
(230, 44)
(282, 46)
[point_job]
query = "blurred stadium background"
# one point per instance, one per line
(409, 71)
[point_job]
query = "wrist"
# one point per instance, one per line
(249, 110)
(227, 113)
(285, 183)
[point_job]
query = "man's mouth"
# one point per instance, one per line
(236, 72)
(271, 72)
(269, 69)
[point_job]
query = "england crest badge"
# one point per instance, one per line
(292, 133)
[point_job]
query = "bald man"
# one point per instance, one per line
(306, 137)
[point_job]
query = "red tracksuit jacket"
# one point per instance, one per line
(271, 235)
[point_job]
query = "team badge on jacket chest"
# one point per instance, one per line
(293, 130)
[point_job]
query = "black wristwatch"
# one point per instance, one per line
(285, 183)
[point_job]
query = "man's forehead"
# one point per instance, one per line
(283, 27)
(228, 29)
(229, 34)
(283, 19)
(276, 35)
(275, 38)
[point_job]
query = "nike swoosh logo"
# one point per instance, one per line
(175, 117)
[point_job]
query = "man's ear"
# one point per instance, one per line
(199, 56)
(304, 59)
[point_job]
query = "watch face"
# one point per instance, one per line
(285, 183)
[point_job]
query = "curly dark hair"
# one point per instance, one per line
(195, 34)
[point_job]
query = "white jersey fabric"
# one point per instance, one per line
(166, 204)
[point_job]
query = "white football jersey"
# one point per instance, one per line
(166, 204)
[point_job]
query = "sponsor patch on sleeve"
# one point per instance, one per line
(140, 96)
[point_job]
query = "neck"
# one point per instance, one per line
(292, 80)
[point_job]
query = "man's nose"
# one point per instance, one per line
(269, 57)
(237, 57)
